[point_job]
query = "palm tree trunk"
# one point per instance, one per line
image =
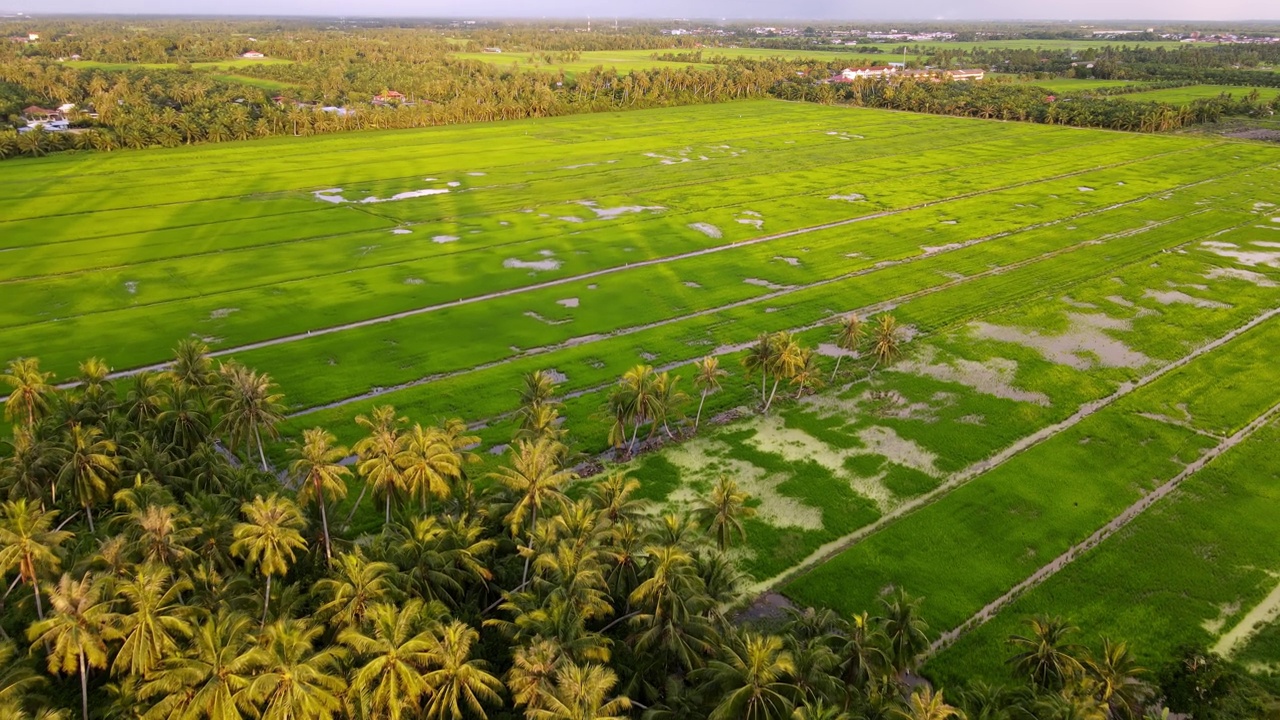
(89, 511)
(261, 455)
(355, 506)
(837, 370)
(698, 418)
(533, 525)
(772, 393)
(84, 688)
(388, 520)
(35, 585)
(324, 523)
(266, 601)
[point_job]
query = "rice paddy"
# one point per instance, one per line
(1090, 317)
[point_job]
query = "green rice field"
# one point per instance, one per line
(1183, 95)
(1090, 318)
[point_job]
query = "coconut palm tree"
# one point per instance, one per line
(904, 630)
(670, 601)
(249, 406)
(787, 360)
(886, 345)
(668, 401)
(357, 586)
(807, 376)
(862, 652)
(77, 631)
(17, 678)
(926, 704)
(760, 358)
(706, 377)
(269, 538)
(532, 674)
(1045, 656)
(456, 680)
(30, 390)
(722, 513)
(296, 680)
(753, 680)
(581, 692)
(1118, 680)
(319, 475)
(88, 464)
(395, 648)
(29, 543)
(208, 681)
(145, 399)
(377, 455)
(192, 369)
(160, 534)
(536, 479)
(849, 336)
(429, 463)
(157, 622)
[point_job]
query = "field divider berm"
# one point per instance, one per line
(1111, 528)
(959, 478)
(391, 317)
(865, 311)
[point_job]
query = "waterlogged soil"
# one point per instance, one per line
(1086, 343)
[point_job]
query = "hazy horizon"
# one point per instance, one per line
(798, 10)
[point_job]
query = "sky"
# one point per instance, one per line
(731, 9)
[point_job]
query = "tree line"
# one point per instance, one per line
(158, 567)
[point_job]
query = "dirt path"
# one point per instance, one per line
(1106, 531)
(961, 477)
(788, 290)
(1261, 614)
(294, 337)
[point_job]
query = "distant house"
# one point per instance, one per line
(253, 54)
(37, 113)
(493, 49)
(967, 74)
(387, 98)
(32, 37)
(874, 71)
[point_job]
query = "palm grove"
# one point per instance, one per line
(156, 566)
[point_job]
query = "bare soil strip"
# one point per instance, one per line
(961, 477)
(1105, 531)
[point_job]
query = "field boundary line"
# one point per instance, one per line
(962, 477)
(1130, 513)
(557, 282)
(787, 290)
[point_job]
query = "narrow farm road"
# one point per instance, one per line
(1106, 531)
(961, 477)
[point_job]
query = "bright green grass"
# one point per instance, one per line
(1183, 95)
(629, 60)
(261, 83)
(1068, 85)
(1185, 572)
(973, 544)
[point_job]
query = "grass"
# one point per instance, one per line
(589, 244)
(1185, 95)
(1184, 573)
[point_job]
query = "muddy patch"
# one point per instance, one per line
(401, 231)
(764, 284)
(414, 281)
(995, 376)
(832, 350)
(691, 284)
(700, 462)
(1248, 276)
(549, 321)
(131, 287)
(499, 449)
(1085, 188)
(613, 212)
(332, 195)
(795, 446)
(707, 229)
(1083, 346)
(1177, 297)
(1250, 258)
(848, 197)
(793, 262)
(885, 441)
(1078, 304)
(568, 302)
(543, 265)
(221, 313)
(1262, 614)
(442, 239)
